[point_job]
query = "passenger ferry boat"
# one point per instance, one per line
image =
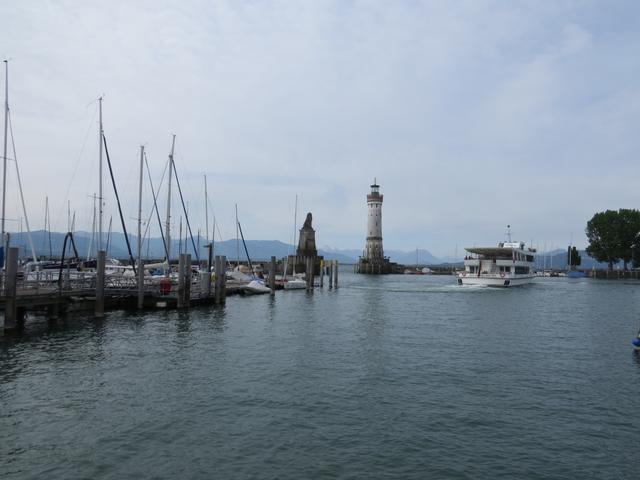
(507, 265)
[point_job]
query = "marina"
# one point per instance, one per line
(197, 279)
(359, 381)
(56, 293)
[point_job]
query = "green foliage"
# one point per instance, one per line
(612, 234)
(635, 253)
(573, 257)
(628, 228)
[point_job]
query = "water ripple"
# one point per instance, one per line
(385, 377)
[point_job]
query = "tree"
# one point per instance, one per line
(628, 227)
(635, 253)
(612, 236)
(573, 257)
(602, 232)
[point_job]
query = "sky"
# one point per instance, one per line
(471, 115)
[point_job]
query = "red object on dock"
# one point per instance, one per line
(165, 286)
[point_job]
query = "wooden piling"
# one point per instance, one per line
(217, 285)
(187, 281)
(181, 268)
(209, 261)
(321, 273)
(220, 285)
(223, 279)
(272, 276)
(335, 275)
(309, 264)
(306, 272)
(312, 270)
(140, 284)
(330, 267)
(99, 307)
(10, 287)
(66, 278)
(53, 311)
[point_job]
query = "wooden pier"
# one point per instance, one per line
(54, 293)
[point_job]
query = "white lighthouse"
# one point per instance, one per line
(373, 260)
(373, 251)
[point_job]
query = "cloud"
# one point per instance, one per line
(471, 115)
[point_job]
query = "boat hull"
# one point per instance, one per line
(295, 284)
(256, 288)
(495, 281)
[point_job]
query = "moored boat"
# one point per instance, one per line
(256, 287)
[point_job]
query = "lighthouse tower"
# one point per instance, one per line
(373, 259)
(373, 251)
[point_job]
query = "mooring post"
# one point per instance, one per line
(209, 261)
(187, 281)
(321, 273)
(218, 284)
(99, 307)
(10, 287)
(67, 277)
(335, 275)
(223, 279)
(272, 276)
(181, 267)
(140, 284)
(330, 267)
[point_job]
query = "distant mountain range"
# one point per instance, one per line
(258, 250)
(557, 259)
(154, 248)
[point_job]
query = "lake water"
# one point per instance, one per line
(385, 377)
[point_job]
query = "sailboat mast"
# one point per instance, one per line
(93, 229)
(206, 212)
(46, 214)
(168, 222)
(109, 236)
(295, 226)
(140, 205)
(4, 156)
(100, 135)
(24, 206)
(180, 237)
(237, 240)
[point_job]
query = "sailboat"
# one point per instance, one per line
(294, 282)
(4, 235)
(251, 283)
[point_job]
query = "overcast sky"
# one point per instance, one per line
(472, 115)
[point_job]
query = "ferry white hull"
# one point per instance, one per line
(495, 280)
